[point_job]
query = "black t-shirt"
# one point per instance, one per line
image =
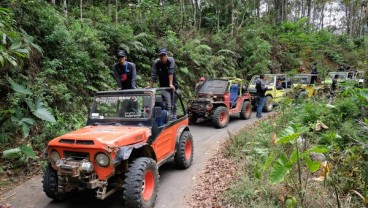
(125, 75)
(162, 72)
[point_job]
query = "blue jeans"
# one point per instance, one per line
(261, 102)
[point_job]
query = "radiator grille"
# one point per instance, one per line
(76, 155)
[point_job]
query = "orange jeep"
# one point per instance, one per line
(128, 136)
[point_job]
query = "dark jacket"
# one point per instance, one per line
(261, 88)
(334, 84)
(125, 75)
(162, 71)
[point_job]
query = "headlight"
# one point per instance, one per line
(102, 159)
(54, 156)
(209, 106)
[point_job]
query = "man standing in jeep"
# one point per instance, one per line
(314, 73)
(261, 92)
(163, 69)
(124, 72)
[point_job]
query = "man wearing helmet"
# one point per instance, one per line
(124, 72)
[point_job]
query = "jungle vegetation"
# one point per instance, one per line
(54, 55)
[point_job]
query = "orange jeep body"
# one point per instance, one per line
(102, 154)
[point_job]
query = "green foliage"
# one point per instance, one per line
(291, 163)
(40, 111)
(53, 64)
(22, 154)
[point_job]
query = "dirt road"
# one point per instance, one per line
(174, 184)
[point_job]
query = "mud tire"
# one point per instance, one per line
(268, 106)
(141, 183)
(50, 184)
(184, 151)
(192, 119)
(246, 110)
(220, 117)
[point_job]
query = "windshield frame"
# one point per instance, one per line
(222, 90)
(147, 121)
(267, 77)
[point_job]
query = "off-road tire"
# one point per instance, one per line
(302, 94)
(246, 110)
(141, 183)
(184, 151)
(220, 117)
(192, 119)
(268, 106)
(50, 184)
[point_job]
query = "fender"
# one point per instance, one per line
(181, 129)
(124, 153)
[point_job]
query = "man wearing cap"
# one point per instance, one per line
(124, 72)
(199, 84)
(163, 69)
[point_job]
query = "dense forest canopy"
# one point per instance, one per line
(55, 55)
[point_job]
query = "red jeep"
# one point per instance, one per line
(217, 99)
(128, 136)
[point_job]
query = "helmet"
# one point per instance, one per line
(121, 53)
(202, 79)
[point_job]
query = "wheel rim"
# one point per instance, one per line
(188, 150)
(148, 185)
(269, 104)
(223, 118)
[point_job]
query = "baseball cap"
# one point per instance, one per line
(162, 51)
(121, 53)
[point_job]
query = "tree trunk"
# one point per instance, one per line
(194, 7)
(351, 17)
(65, 8)
(116, 13)
(182, 14)
(309, 9)
(81, 10)
(53, 2)
(233, 18)
(322, 15)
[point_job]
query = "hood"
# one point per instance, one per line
(112, 136)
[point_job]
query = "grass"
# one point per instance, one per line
(251, 148)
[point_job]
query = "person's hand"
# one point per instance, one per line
(172, 87)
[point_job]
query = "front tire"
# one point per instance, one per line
(220, 117)
(268, 104)
(246, 110)
(141, 183)
(50, 184)
(184, 151)
(192, 119)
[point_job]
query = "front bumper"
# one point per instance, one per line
(200, 109)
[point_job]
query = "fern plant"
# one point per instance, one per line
(283, 166)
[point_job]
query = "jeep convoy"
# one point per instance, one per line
(130, 134)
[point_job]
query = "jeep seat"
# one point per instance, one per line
(233, 94)
(164, 117)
